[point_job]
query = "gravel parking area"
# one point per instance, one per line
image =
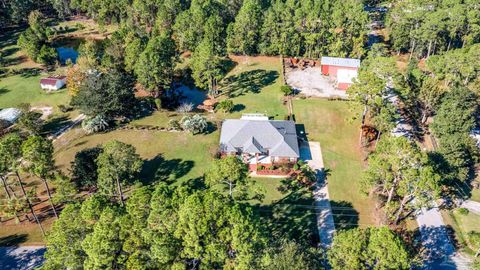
(312, 83)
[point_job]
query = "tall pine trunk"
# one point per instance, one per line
(29, 203)
(120, 192)
(4, 181)
(50, 197)
(5, 186)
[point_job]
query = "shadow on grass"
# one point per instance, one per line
(4, 91)
(55, 124)
(13, 240)
(238, 108)
(248, 82)
(344, 215)
(292, 217)
(161, 169)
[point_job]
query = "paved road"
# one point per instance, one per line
(440, 251)
(21, 258)
(312, 154)
(472, 206)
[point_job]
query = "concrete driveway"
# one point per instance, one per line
(21, 258)
(311, 153)
(439, 249)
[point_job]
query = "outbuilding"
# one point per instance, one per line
(10, 115)
(53, 82)
(341, 70)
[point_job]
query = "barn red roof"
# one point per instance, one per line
(51, 80)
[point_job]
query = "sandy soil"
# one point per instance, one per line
(311, 82)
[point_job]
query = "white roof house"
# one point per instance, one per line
(10, 115)
(341, 62)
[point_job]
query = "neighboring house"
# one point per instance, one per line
(53, 82)
(10, 115)
(342, 70)
(260, 141)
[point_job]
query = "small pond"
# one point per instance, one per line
(67, 48)
(65, 53)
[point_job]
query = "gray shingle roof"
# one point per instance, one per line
(279, 138)
(343, 62)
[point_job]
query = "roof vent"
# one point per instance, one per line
(254, 116)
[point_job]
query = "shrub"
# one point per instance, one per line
(225, 105)
(185, 108)
(195, 124)
(174, 124)
(95, 124)
(47, 55)
(271, 168)
(295, 167)
(158, 103)
(260, 167)
(463, 211)
(286, 90)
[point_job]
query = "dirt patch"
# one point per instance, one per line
(45, 111)
(253, 59)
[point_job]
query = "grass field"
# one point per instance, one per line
(327, 122)
(21, 89)
(475, 195)
(462, 225)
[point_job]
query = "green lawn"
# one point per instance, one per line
(254, 86)
(328, 122)
(475, 195)
(26, 89)
(462, 225)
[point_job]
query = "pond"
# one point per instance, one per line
(65, 53)
(67, 48)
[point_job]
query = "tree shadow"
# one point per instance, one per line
(161, 169)
(248, 82)
(21, 257)
(436, 246)
(13, 240)
(238, 108)
(29, 72)
(4, 90)
(55, 124)
(292, 217)
(344, 215)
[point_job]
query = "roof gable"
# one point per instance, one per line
(260, 136)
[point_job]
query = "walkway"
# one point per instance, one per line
(25, 258)
(312, 154)
(440, 251)
(473, 206)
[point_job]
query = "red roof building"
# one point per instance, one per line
(342, 70)
(53, 82)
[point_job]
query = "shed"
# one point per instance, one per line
(53, 82)
(345, 78)
(331, 65)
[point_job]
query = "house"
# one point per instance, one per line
(341, 70)
(10, 115)
(259, 141)
(53, 82)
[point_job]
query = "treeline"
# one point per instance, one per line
(311, 28)
(446, 90)
(424, 27)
